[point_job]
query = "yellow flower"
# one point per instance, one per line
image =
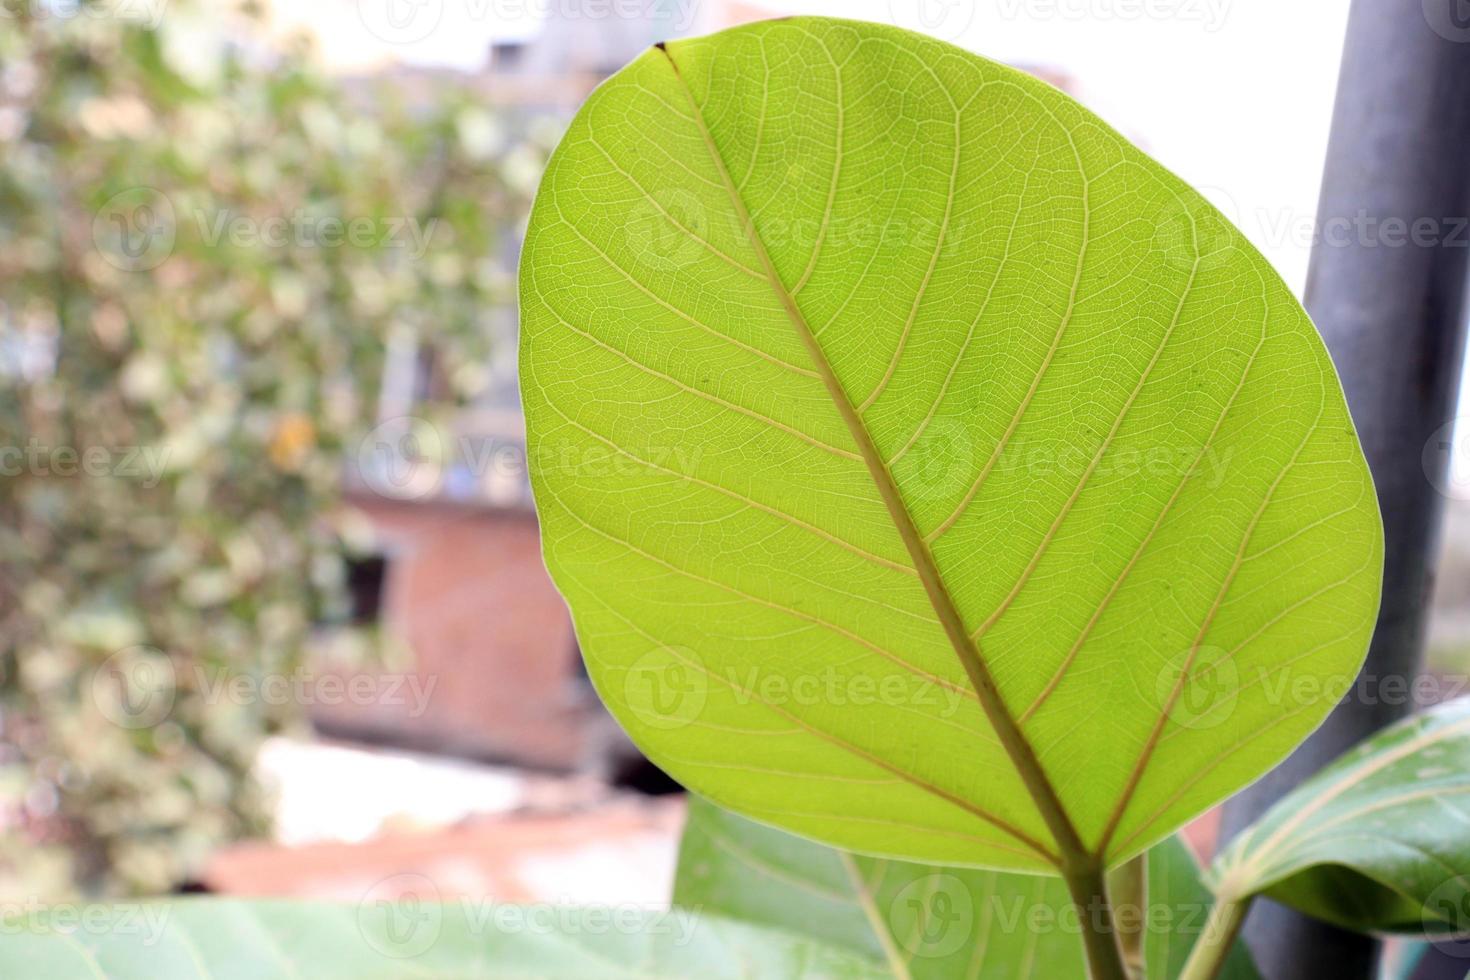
(292, 440)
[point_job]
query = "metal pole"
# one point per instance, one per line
(1390, 305)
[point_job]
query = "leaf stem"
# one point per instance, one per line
(1095, 916)
(1214, 943)
(1128, 897)
(897, 962)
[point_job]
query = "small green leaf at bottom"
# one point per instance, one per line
(926, 921)
(396, 938)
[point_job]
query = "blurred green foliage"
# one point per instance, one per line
(205, 244)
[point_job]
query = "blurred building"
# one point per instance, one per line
(459, 577)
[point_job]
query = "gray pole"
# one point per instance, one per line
(1391, 307)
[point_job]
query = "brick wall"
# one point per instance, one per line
(465, 589)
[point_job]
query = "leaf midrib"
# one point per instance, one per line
(1073, 854)
(867, 901)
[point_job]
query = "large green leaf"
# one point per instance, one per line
(214, 939)
(926, 921)
(1378, 841)
(910, 447)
